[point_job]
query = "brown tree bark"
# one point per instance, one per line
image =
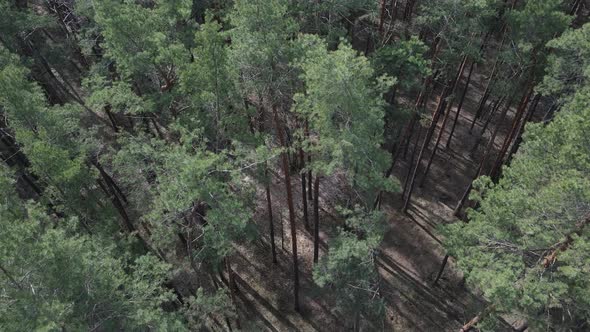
(316, 219)
(285, 166)
(494, 108)
(303, 190)
(442, 127)
(482, 162)
(406, 143)
(486, 93)
(437, 142)
(271, 225)
(522, 106)
(565, 244)
(526, 119)
(471, 324)
(459, 107)
(406, 181)
(233, 289)
(107, 110)
(382, 16)
(309, 175)
(442, 269)
(405, 136)
(429, 134)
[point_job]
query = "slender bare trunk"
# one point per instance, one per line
(285, 166)
(411, 163)
(460, 106)
(442, 127)
(316, 219)
(527, 119)
(429, 134)
(442, 269)
(271, 225)
(483, 161)
(499, 160)
(303, 190)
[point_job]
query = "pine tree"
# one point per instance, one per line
(261, 51)
(104, 288)
(349, 269)
(346, 112)
(526, 245)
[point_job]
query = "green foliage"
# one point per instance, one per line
(525, 28)
(101, 290)
(335, 19)
(345, 109)
(460, 25)
(542, 196)
(143, 40)
(202, 177)
(200, 307)
(50, 137)
(569, 66)
(17, 23)
(348, 271)
(208, 84)
(260, 47)
(115, 94)
(405, 61)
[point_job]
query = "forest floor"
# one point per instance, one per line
(409, 258)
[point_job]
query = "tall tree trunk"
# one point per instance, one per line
(309, 175)
(394, 9)
(527, 119)
(271, 225)
(494, 107)
(520, 111)
(437, 142)
(406, 181)
(382, 16)
(233, 289)
(482, 162)
(429, 134)
(442, 269)
(486, 93)
(303, 190)
(285, 166)
(575, 7)
(111, 117)
(447, 113)
(316, 219)
(405, 136)
(409, 9)
(460, 105)
(409, 138)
